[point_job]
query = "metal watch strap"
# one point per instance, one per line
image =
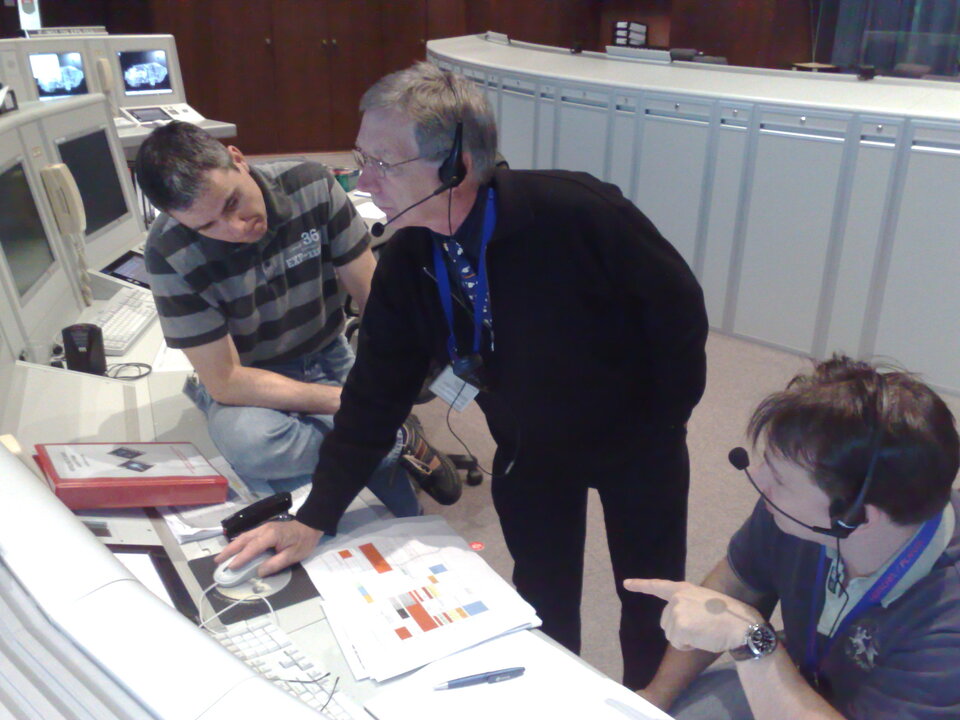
(761, 640)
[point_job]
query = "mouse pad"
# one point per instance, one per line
(285, 588)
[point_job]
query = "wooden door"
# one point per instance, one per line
(226, 53)
(302, 114)
(403, 24)
(356, 53)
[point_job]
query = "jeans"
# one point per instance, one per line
(277, 451)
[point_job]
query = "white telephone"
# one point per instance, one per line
(64, 196)
(68, 210)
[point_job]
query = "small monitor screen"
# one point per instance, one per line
(130, 267)
(22, 237)
(58, 75)
(149, 114)
(91, 163)
(145, 72)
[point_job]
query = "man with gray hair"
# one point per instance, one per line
(250, 266)
(555, 302)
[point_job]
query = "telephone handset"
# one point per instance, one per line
(64, 198)
(105, 75)
(67, 207)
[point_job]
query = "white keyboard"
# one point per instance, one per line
(270, 651)
(124, 317)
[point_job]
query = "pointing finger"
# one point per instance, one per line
(663, 589)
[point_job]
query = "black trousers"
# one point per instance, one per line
(542, 506)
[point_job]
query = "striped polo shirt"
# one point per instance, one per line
(278, 298)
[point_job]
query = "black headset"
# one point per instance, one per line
(453, 170)
(844, 520)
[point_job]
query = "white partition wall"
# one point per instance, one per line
(818, 211)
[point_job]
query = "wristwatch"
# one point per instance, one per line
(760, 641)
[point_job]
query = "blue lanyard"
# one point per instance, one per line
(480, 296)
(877, 592)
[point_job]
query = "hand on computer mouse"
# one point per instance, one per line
(226, 576)
(291, 540)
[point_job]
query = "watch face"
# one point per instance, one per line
(762, 640)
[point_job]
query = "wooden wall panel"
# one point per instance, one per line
(9, 21)
(233, 57)
(403, 28)
(301, 62)
(549, 22)
(446, 18)
(756, 33)
(118, 16)
(357, 61)
(192, 27)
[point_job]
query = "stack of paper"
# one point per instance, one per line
(554, 684)
(401, 593)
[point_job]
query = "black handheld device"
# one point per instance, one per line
(255, 514)
(83, 348)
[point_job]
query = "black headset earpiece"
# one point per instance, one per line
(453, 170)
(844, 520)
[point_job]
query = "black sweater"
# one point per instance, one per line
(599, 330)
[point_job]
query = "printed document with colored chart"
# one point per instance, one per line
(401, 593)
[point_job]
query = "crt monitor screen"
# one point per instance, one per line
(145, 72)
(58, 75)
(91, 163)
(22, 237)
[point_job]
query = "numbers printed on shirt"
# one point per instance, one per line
(311, 236)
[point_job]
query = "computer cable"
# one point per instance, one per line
(114, 371)
(488, 473)
(252, 596)
(273, 618)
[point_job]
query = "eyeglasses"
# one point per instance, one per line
(381, 168)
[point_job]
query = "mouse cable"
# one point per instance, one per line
(273, 618)
(252, 596)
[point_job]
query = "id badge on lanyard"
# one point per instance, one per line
(450, 386)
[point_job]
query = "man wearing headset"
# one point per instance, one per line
(580, 326)
(856, 536)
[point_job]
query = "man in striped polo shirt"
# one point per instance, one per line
(250, 268)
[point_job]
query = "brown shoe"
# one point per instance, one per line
(433, 471)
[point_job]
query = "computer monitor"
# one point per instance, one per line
(90, 161)
(47, 68)
(39, 282)
(23, 238)
(146, 69)
(58, 75)
(144, 72)
(81, 134)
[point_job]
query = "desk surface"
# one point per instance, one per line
(48, 404)
(882, 95)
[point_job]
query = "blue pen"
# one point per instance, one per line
(492, 676)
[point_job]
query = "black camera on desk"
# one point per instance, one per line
(83, 348)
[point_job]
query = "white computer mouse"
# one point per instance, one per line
(225, 577)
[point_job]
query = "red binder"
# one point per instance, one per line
(120, 475)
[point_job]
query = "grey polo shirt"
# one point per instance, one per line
(279, 298)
